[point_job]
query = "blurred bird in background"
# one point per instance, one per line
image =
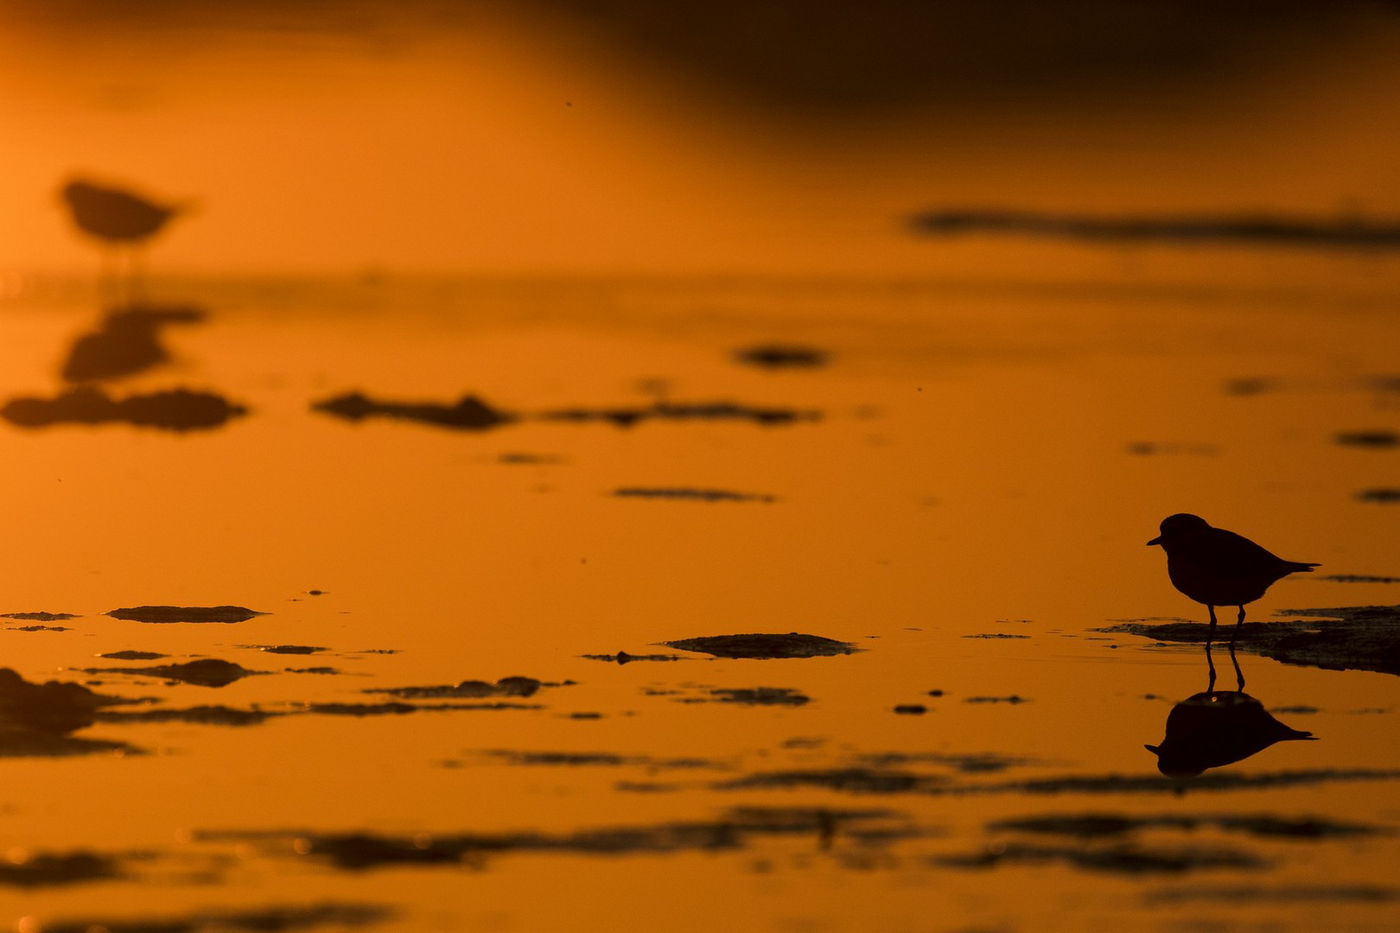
(120, 220)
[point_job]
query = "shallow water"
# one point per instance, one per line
(966, 506)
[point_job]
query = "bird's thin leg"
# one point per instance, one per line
(1239, 623)
(1210, 688)
(1239, 675)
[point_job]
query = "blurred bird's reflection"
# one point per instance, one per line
(1217, 727)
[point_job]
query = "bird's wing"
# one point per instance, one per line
(1246, 558)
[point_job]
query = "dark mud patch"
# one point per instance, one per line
(131, 655)
(1375, 439)
(596, 759)
(781, 356)
(1385, 495)
(403, 709)
(1251, 385)
(260, 920)
(52, 708)
(127, 342)
(911, 709)
(1357, 578)
(468, 413)
(847, 780)
(732, 831)
(1155, 784)
(1152, 449)
(1292, 894)
(517, 458)
(194, 715)
(764, 646)
(312, 670)
(1120, 859)
(1251, 229)
(1364, 638)
(691, 494)
(622, 657)
(40, 628)
(42, 870)
(877, 780)
(285, 649)
(171, 410)
(761, 696)
(995, 635)
(198, 614)
(975, 763)
(1101, 825)
(683, 411)
(205, 672)
(505, 687)
(23, 743)
(1013, 699)
(39, 616)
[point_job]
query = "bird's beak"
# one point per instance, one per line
(1153, 749)
(1156, 540)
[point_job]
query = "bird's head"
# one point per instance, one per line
(1179, 527)
(75, 191)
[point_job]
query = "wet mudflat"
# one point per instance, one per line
(868, 670)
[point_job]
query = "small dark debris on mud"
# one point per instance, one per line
(995, 635)
(764, 646)
(911, 709)
(1357, 578)
(761, 696)
(130, 655)
(171, 614)
(1384, 495)
(1013, 699)
(468, 413)
(683, 411)
(311, 670)
(781, 356)
(622, 657)
(1367, 438)
(693, 494)
(172, 410)
(505, 687)
(286, 649)
(39, 616)
(519, 458)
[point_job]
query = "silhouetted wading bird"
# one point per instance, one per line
(116, 217)
(1218, 567)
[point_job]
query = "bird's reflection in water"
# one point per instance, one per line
(1218, 727)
